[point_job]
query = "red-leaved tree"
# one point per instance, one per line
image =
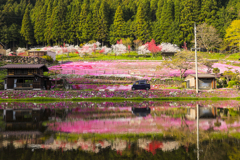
(102, 51)
(153, 47)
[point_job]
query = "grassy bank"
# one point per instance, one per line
(134, 56)
(110, 56)
(114, 99)
(99, 137)
(137, 136)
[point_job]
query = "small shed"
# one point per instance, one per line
(168, 54)
(205, 81)
(2, 50)
(204, 112)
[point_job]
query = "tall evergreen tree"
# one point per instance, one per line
(48, 24)
(209, 11)
(57, 24)
(156, 32)
(129, 30)
(146, 8)
(39, 25)
(36, 10)
(54, 28)
(153, 7)
(74, 21)
(159, 10)
(223, 20)
(27, 29)
(176, 33)
(87, 29)
(95, 21)
(166, 21)
(142, 27)
(117, 29)
(189, 15)
(82, 21)
(102, 32)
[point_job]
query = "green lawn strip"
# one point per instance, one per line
(134, 136)
(224, 135)
(110, 56)
(113, 99)
(99, 137)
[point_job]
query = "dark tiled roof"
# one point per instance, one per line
(24, 66)
(202, 75)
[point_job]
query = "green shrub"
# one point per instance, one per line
(231, 84)
(233, 112)
(48, 58)
(92, 41)
(178, 79)
(1, 87)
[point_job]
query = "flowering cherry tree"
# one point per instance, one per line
(168, 47)
(143, 49)
(119, 48)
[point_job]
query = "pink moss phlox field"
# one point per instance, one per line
(128, 69)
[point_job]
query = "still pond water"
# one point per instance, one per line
(120, 130)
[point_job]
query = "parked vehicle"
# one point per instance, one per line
(141, 112)
(141, 84)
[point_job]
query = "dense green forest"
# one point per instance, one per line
(48, 22)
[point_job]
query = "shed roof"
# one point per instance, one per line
(202, 75)
(25, 66)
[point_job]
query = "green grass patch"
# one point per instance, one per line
(218, 56)
(110, 56)
(99, 137)
(234, 56)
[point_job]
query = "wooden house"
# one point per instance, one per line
(205, 81)
(42, 53)
(26, 77)
(2, 49)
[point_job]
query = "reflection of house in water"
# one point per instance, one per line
(204, 112)
(25, 119)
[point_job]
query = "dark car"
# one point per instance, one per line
(141, 84)
(141, 112)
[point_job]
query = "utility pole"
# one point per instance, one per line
(196, 66)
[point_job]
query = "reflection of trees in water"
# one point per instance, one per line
(107, 153)
(221, 149)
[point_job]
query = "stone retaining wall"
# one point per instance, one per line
(24, 59)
